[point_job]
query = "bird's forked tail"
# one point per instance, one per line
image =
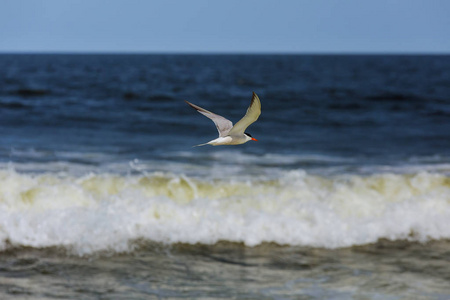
(200, 145)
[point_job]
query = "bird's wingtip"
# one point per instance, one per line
(191, 105)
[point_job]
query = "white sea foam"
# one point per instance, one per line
(108, 211)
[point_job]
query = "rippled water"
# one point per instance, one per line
(386, 270)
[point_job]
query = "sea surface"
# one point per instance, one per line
(345, 195)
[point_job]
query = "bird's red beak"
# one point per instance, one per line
(253, 139)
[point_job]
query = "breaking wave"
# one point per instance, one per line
(97, 212)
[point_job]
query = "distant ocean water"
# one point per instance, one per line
(345, 195)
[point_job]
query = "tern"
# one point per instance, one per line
(229, 134)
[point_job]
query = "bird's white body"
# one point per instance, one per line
(229, 140)
(229, 134)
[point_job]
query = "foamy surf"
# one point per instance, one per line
(98, 212)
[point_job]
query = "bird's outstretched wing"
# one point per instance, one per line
(253, 112)
(223, 125)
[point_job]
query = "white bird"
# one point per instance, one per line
(229, 134)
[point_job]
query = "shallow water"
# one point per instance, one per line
(385, 270)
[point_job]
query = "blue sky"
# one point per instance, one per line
(281, 26)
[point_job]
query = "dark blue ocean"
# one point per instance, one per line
(378, 109)
(345, 195)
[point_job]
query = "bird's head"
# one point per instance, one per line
(249, 137)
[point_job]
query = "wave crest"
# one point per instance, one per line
(106, 211)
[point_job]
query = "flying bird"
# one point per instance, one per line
(229, 134)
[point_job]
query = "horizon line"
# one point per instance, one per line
(109, 52)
